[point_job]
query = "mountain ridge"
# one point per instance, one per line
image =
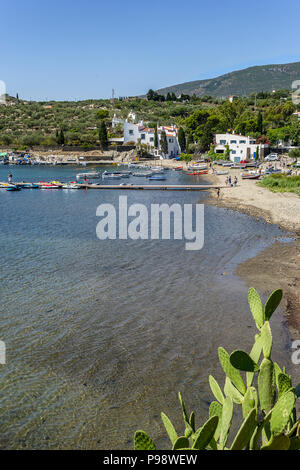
(240, 82)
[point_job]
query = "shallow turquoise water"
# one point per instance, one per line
(101, 335)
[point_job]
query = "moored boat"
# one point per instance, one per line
(157, 177)
(249, 176)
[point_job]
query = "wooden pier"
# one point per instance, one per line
(134, 187)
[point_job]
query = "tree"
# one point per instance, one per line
(61, 138)
(182, 140)
(164, 143)
(294, 153)
(103, 135)
(102, 114)
(260, 123)
(151, 95)
(17, 96)
(227, 152)
(156, 138)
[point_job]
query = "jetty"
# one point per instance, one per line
(134, 187)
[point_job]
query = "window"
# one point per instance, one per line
(170, 140)
(143, 136)
(242, 141)
(252, 142)
(233, 152)
(223, 142)
(151, 139)
(131, 132)
(233, 141)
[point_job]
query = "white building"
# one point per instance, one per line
(139, 132)
(241, 147)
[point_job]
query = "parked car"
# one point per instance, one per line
(273, 157)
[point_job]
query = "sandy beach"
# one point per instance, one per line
(279, 265)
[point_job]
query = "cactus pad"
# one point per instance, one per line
(169, 428)
(206, 433)
(272, 303)
(143, 442)
(230, 371)
(256, 307)
(242, 361)
(281, 413)
(215, 388)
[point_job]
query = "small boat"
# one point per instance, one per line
(71, 185)
(46, 185)
(90, 175)
(221, 173)
(198, 166)
(115, 176)
(197, 173)
(177, 168)
(145, 175)
(249, 176)
(13, 188)
(157, 178)
(30, 186)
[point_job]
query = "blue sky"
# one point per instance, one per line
(82, 49)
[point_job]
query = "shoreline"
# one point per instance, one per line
(277, 266)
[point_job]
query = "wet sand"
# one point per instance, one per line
(279, 265)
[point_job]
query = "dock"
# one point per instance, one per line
(135, 187)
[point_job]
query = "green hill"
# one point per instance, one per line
(242, 82)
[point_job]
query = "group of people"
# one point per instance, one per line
(228, 181)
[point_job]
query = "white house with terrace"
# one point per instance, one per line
(241, 147)
(139, 132)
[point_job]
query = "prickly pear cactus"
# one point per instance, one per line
(244, 434)
(266, 425)
(250, 401)
(181, 443)
(215, 388)
(256, 307)
(272, 303)
(226, 421)
(169, 428)
(266, 337)
(242, 361)
(232, 373)
(143, 442)
(232, 392)
(216, 409)
(281, 442)
(266, 385)
(206, 433)
(281, 413)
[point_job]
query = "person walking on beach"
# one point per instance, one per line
(9, 179)
(218, 193)
(229, 179)
(235, 181)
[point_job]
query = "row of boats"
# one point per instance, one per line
(39, 185)
(152, 173)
